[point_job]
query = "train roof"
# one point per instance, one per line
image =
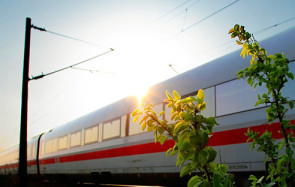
(221, 69)
(212, 73)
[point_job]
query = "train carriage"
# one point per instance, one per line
(106, 142)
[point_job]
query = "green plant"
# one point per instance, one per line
(190, 131)
(271, 71)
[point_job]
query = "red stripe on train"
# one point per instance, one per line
(229, 137)
(237, 136)
(9, 166)
(29, 163)
(118, 152)
(47, 161)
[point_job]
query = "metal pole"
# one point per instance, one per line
(22, 168)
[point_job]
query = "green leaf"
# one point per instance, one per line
(162, 139)
(179, 161)
(203, 106)
(250, 81)
(260, 179)
(143, 119)
(236, 27)
(205, 139)
(223, 168)
(143, 126)
(252, 178)
(233, 35)
(168, 95)
(202, 157)
(281, 144)
(176, 95)
(180, 127)
(173, 152)
(179, 124)
(239, 43)
(168, 151)
(200, 140)
(231, 31)
(200, 96)
(228, 181)
(185, 170)
(211, 121)
(291, 76)
(212, 155)
(195, 181)
(216, 180)
(150, 128)
(291, 104)
(135, 118)
(134, 113)
(269, 184)
(258, 102)
(196, 140)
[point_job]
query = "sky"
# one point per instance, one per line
(146, 37)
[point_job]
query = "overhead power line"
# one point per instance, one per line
(275, 25)
(170, 11)
(68, 37)
(170, 65)
(198, 22)
(94, 71)
(43, 75)
(185, 10)
(231, 44)
(162, 16)
(256, 32)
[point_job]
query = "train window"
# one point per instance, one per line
(33, 151)
(100, 132)
(123, 125)
(236, 96)
(42, 148)
(91, 135)
(63, 142)
(75, 139)
(111, 129)
(135, 128)
(51, 146)
(210, 102)
(28, 151)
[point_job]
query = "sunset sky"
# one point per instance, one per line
(147, 36)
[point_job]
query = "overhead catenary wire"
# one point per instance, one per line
(44, 75)
(69, 37)
(161, 17)
(170, 11)
(256, 32)
(207, 17)
(184, 11)
(79, 40)
(94, 71)
(275, 25)
(170, 65)
(200, 21)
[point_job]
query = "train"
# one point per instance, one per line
(107, 145)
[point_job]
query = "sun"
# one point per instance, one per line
(140, 92)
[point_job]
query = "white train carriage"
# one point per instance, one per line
(107, 141)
